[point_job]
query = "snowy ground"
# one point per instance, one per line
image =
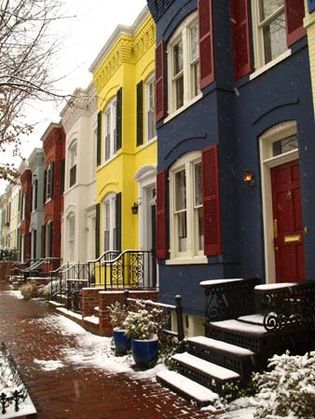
(91, 351)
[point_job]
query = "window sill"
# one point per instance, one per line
(183, 108)
(147, 143)
(198, 260)
(271, 64)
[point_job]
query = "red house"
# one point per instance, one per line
(54, 156)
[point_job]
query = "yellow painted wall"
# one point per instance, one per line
(309, 23)
(130, 59)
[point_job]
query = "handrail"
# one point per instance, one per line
(124, 252)
(100, 257)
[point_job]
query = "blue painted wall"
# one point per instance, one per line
(234, 119)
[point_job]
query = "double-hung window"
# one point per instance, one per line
(183, 64)
(110, 129)
(71, 236)
(186, 237)
(269, 30)
(110, 222)
(34, 194)
(150, 108)
(72, 165)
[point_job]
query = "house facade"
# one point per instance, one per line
(79, 119)
(5, 219)
(124, 76)
(36, 164)
(54, 157)
(26, 209)
(235, 123)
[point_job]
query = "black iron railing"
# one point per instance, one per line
(288, 307)
(18, 392)
(229, 298)
(19, 266)
(96, 267)
(130, 269)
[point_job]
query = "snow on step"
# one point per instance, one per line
(253, 319)
(241, 327)
(272, 287)
(206, 367)
(220, 345)
(189, 387)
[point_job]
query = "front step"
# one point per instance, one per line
(204, 372)
(251, 336)
(257, 319)
(186, 387)
(233, 357)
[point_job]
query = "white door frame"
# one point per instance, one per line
(268, 161)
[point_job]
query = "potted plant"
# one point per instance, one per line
(118, 313)
(142, 327)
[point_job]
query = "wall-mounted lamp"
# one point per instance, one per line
(248, 177)
(134, 208)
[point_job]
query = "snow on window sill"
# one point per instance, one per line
(197, 260)
(271, 64)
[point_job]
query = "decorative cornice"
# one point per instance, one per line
(158, 7)
(130, 46)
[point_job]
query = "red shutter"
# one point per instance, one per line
(211, 201)
(159, 82)
(206, 42)
(294, 13)
(241, 44)
(161, 212)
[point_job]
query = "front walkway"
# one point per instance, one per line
(69, 374)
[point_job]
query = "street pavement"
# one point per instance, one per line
(77, 391)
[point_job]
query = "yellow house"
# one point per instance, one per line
(309, 24)
(123, 74)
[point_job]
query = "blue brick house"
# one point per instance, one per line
(236, 146)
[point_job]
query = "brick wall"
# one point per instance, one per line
(90, 299)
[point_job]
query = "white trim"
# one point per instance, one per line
(182, 33)
(271, 64)
(146, 178)
(198, 260)
(267, 161)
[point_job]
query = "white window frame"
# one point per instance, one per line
(73, 161)
(258, 39)
(149, 111)
(109, 137)
(192, 253)
(71, 231)
(110, 224)
(34, 193)
(182, 32)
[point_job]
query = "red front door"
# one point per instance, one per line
(287, 222)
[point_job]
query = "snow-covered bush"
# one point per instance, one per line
(52, 288)
(288, 389)
(143, 324)
(29, 290)
(117, 313)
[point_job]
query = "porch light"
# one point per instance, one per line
(248, 177)
(134, 208)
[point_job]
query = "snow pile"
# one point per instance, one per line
(16, 294)
(50, 365)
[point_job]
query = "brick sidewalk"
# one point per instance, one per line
(77, 391)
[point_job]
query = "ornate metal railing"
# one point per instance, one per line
(41, 267)
(288, 307)
(169, 312)
(74, 293)
(131, 269)
(18, 392)
(229, 298)
(95, 267)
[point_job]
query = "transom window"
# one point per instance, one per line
(150, 108)
(186, 207)
(270, 29)
(184, 72)
(110, 222)
(110, 129)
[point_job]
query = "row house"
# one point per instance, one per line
(5, 219)
(124, 77)
(79, 119)
(36, 165)
(54, 161)
(235, 126)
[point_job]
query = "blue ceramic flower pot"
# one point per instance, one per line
(145, 352)
(122, 342)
